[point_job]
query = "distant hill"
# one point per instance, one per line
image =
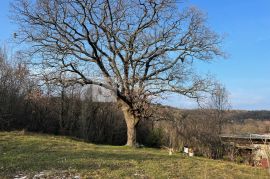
(238, 121)
(237, 115)
(232, 115)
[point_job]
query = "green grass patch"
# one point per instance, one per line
(29, 154)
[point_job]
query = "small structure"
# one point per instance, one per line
(253, 149)
(188, 151)
(185, 149)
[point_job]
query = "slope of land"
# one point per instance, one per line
(55, 156)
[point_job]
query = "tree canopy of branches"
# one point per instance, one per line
(141, 49)
(219, 104)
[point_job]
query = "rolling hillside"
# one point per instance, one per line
(28, 155)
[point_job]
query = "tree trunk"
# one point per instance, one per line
(131, 122)
(131, 134)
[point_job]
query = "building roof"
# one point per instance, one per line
(246, 136)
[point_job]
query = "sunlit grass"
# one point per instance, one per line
(30, 154)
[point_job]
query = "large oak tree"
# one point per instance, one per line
(141, 49)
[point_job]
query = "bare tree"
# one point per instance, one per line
(140, 48)
(14, 84)
(219, 105)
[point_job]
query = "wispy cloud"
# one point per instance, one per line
(252, 100)
(239, 99)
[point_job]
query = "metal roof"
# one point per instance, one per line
(246, 136)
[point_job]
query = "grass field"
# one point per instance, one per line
(58, 157)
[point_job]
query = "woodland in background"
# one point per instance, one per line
(27, 103)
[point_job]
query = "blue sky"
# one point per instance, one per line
(246, 72)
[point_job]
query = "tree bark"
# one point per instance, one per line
(131, 122)
(131, 134)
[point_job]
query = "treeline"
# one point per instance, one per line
(27, 105)
(241, 116)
